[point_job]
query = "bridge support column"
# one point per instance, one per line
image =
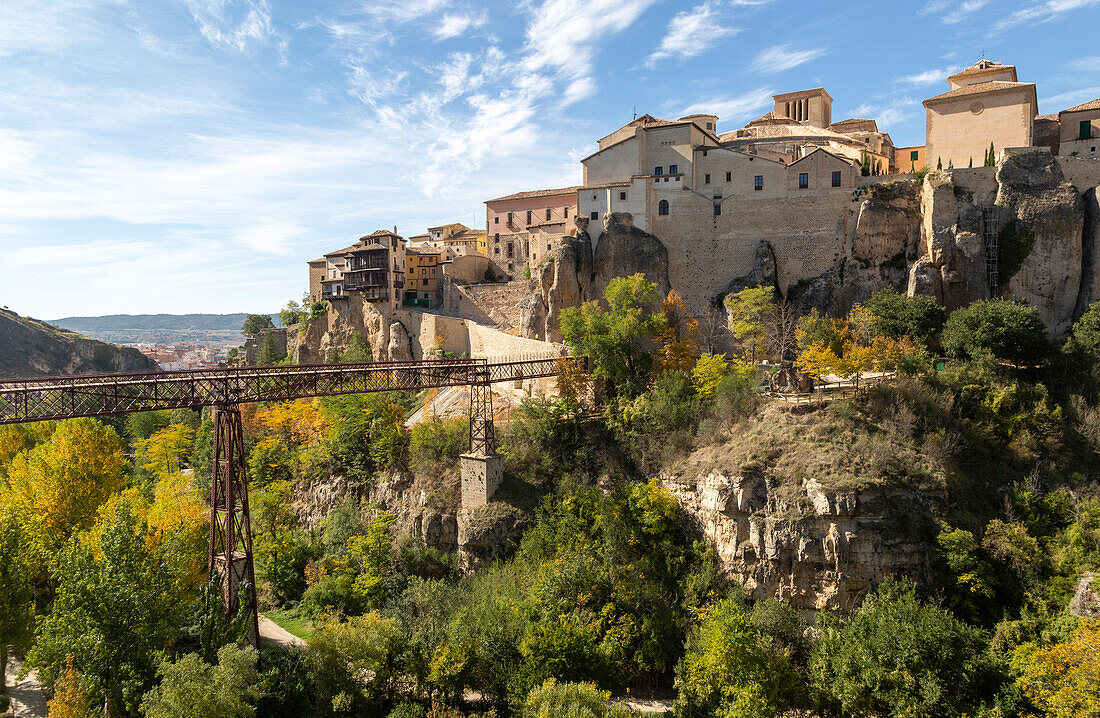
(230, 524)
(482, 467)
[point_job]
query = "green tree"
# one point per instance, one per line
(865, 165)
(939, 163)
(896, 315)
(70, 700)
(996, 330)
(750, 312)
(255, 323)
(733, 670)
(121, 600)
(17, 568)
(192, 688)
(1085, 337)
(355, 663)
(617, 339)
(896, 657)
(293, 313)
(270, 353)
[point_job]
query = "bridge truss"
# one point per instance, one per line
(230, 552)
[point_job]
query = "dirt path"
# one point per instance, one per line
(27, 698)
(274, 633)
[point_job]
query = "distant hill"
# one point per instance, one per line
(155, 322)
(29, 347)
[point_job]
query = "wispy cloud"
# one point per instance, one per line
(928, 77)
(1063, 100)
(1085, 64)
(737, 108)
(562, 35)
(782, 57)
(892, 112)
(457, 24)
(1042, 12)
(401, 11)
(233, 24)
(690, 33)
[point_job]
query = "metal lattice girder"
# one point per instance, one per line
(39, 399)
(482, 436)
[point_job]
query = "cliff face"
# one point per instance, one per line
(335, 328)
(798, 516)
(1046, 231)
(29, 347)
(581, 269)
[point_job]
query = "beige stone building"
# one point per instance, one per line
(985, 105)
(425, 269)
(374, 267)
(1079, 130)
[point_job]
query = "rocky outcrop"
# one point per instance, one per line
(29, 347)
(1090, 253)
(1047, 216)
(1086, 599)
(335, 328)
(880, 238)
(400, 344)
(761, 274)
(580, 269)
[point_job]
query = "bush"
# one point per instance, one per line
(896, 657)
(436, 443)
(996, 330)
(571, 700)
(192, 687)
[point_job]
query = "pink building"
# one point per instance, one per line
(520, 224)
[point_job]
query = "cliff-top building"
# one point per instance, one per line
(373, 268)
(523, 228)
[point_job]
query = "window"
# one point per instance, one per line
(509, 218)
(914, 155)
(496, 220)
(496, 250)
(1085, 130)
(706, 179)
(528, 216)
(758, 182)
(496, 236)
(548, 214)
(656, 171)
(717, 209)
(622, 196)
(729, 176)
(662, 208)
(565, 211)
(674, 169)
(836, 178)
(803, 180)
(710, 125)
(511, 250)
(595, 216)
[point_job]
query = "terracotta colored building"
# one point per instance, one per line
(424, 272)
(520, 225)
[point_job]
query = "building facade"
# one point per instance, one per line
(373, 267)
(424, 273)
(521, 226)
(1079, 130)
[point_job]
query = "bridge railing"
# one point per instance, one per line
(43, 398)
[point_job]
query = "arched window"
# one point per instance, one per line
(662, 207)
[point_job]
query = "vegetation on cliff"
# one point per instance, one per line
(611, 588)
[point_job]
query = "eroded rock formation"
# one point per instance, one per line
(29, 347)
(335, 328)
(581, 269)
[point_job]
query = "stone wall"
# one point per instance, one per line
(435, 332)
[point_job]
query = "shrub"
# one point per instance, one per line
(192, 687)
(896, 657)
(897, 315)
(436, 443)
(996, 329)
(571, 700)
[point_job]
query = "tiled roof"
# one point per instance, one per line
(450, 226)
(380, 233)
(345, 250)
(772, 117)
(981, 88)
(1053, 117)
(1090, 105)
(855, 124)
(536, 193)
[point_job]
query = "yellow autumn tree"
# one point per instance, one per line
(298, 422)
(61, 482)
(15, 438)
(1063, 680)
(166, 451)
(708, 373)
(679, 337)
(70, 700)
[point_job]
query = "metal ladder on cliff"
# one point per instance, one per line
(992, 252)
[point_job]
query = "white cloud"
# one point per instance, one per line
(957, 13)
(1085, 64)
(1041, 12)
(562, 34)
(782, 57)
(928, 77)
(690, 33)
(402, 11)
(894, 112)
(454, 25)
(1064, 100)
(272, 238)
(743, 106)
(234, 24)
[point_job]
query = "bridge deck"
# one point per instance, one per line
(42, 398)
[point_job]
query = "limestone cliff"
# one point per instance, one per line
(29, 347)
(581, 269)
(796, 516)
(1046, 231)
(335, 328)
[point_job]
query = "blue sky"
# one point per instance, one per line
(192, 155)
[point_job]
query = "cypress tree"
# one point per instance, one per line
(939, 163)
